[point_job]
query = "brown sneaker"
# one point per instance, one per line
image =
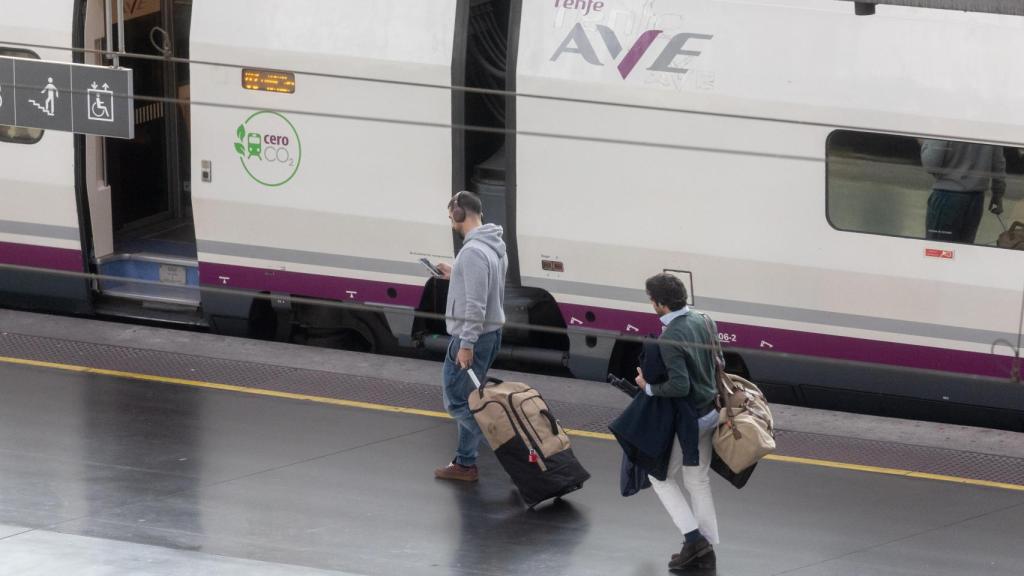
(455, 471)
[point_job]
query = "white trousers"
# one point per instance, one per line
(695, 479)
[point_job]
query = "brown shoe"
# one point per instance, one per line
(455, 471)
(694, 556)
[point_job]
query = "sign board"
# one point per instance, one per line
(103, 101)
(67, 97)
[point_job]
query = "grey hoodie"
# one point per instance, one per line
(476, 294)
(965, 167)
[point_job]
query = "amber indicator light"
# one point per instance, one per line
(268, 81)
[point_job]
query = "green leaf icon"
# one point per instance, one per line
(239, 148)
(241, 133)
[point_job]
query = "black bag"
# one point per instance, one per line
(527, 439)
(737, 479)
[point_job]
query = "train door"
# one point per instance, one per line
(140, 190)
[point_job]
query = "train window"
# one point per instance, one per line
(12, 133)
(948, 191)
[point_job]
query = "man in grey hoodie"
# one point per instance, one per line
(474, 316)
(963, 171)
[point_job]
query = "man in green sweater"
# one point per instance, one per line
(687, 350)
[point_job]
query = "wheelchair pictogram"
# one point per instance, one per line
(101, 103)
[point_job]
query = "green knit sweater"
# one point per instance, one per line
(691, 369)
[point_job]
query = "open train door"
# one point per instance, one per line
(39, 223)
(139, 190)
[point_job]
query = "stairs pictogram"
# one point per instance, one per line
(40, 106)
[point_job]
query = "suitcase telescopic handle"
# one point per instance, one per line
(476, 381)
(479, 386)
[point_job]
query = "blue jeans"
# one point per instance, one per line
(457, 387)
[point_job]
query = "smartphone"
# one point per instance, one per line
(433, 269)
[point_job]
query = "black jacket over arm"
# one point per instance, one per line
(647, 428)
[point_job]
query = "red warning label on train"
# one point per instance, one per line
(936, 253)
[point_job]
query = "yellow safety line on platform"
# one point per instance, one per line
(435, 414)
(228, 387)
(894, 472)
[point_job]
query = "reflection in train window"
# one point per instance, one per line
(11, 133)
(947, 191)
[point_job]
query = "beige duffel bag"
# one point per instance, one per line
(745, 432)
(746, 429)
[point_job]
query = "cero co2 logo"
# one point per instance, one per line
(269, 148)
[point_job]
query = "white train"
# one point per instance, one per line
(765, 151)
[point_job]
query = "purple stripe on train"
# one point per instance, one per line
(804, 343)
(626, 322)
(41, 257)
(310, 285)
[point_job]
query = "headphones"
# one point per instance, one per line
(458, 212)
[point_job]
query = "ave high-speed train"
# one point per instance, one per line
(766, 151)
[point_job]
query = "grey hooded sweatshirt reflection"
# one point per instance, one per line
(476, 294)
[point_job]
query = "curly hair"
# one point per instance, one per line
(667, 290)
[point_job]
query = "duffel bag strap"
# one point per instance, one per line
(730, 421)
(716, 346)
(721, 379)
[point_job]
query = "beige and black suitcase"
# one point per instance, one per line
(527, 439)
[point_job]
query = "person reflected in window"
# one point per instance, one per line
(963, 172)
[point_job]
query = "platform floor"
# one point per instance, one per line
(107, 475)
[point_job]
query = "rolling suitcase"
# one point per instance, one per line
(527, 439)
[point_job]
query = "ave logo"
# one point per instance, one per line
(579, 42)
